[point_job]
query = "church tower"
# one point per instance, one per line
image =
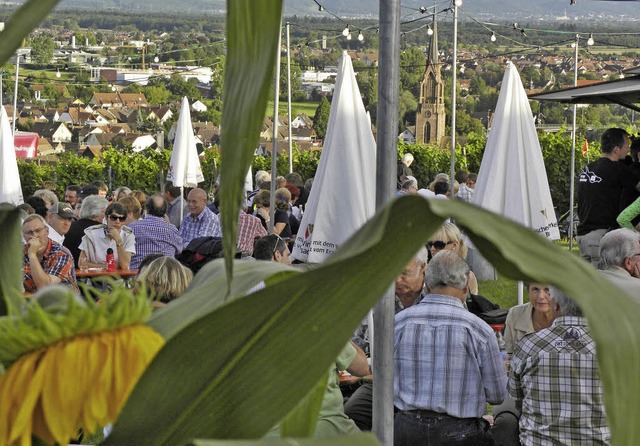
(430, 116)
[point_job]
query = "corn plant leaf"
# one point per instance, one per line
(20, 25)
(301, 421)
(252, 41)
(10, 261)
(236, 371)
(364, 439)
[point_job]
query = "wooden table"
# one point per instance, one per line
(99, 272)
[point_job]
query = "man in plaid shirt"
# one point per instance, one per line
(200, 222)
(45, 261)
(555, 382)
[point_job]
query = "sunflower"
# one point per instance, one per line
(71, 364)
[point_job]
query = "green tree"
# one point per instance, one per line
(42, 49)
(412, 64)
(297, 94)
(321, 118)
(407, 105)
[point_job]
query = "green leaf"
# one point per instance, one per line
(364, 439)
(252, 44)
(301, 421)
(20, 25)
(235, 372)
(10, 261)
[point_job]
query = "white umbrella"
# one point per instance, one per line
(512, 180)
(184, 166)
(10, 188)
(343, 195)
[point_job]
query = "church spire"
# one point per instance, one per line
(433, 44)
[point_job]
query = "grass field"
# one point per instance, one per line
(308, 108)
(504, 292)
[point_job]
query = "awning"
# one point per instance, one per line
(625, 92)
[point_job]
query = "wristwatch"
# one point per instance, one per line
(120, 245)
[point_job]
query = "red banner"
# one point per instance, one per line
(26, 144)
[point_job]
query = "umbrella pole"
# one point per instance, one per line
(181, 203)
(274, 139)
(520, 292)
(387, 154)
(573, 148)
(453, 99)
(289, 101)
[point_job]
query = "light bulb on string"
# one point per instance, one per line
(156, 59)
(345, 32)
(349, 36)
(457, 2)
(493, 37)
(590, 41)
(58, 73)
(423, 9)
(360, 36)
(429, 30)
(320, 8)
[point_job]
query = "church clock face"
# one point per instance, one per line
(427, 114)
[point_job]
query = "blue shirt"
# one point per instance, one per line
(154, 235)
(206, 224)
(446, 360)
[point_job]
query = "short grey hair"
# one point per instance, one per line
(262, 176)
(616, 246)
(568, 306)
(32, 217)
(447, 268)
(422, 256)
(92, 206)
(407, 157)
(46, 194)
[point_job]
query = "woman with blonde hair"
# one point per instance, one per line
(49, 197)
(165, 278)
(449, 237)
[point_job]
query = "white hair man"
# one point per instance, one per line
(620, 259)
(439, 345)
(404, 170)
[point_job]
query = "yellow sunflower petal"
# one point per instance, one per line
(26, 390)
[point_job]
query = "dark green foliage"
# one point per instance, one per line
(321, 118)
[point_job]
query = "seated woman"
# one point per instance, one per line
(449, 237)
(535, 315)
(262, 201)
(165, 279)
(115, 235)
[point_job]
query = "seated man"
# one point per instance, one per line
(447, 363)
(554, 380)
(45, 261)
(620, 259)
(409, 290)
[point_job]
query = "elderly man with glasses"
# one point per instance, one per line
(45, 261)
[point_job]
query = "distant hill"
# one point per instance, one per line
(584, 10)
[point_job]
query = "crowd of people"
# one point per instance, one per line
(449, 363)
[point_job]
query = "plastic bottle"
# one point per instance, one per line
(111, 261)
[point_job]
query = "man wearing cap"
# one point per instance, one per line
(59, 219)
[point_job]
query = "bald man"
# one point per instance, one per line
(200, 222)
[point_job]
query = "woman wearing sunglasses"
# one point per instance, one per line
(449, 237)
(114, 235)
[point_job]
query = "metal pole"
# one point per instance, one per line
(15, 94)
(289, 100)
(274, 139)
(454, 70)
(387, 155)
(1, 96)
(573, 148)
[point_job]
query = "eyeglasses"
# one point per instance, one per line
(34, 232)
(275, 246)
(438, 244)
(113, 217)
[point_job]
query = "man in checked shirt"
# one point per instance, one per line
(555, 382)
(45, 261)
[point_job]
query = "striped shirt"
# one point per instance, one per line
(206, 224)
(56, 261)
(554, 374)
(154, 235)
(446, 360)
(249, 228)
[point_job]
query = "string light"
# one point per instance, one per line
(58, 73)
(423, 9)
(429, 30)
(515, 25)
(320, 8)
(348, 36)
(523, 33)
(493, 37)
(590, 41)
(345, 32)
(360, 36)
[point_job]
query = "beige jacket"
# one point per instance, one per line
(519, 322)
